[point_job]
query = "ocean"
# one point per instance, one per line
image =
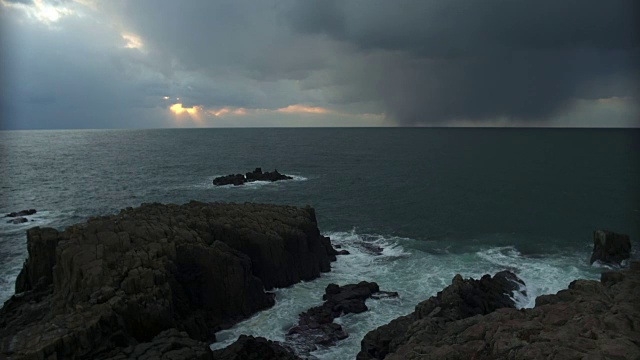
(440, 201)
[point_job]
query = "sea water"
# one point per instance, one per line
(440, 202)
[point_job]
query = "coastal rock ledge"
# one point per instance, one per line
(589, 320)
(157, 281)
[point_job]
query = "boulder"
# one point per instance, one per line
(460, 300)
(610, 248)
(118, 282)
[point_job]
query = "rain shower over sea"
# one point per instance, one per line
(439, 201)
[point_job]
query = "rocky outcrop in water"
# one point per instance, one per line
(255, 175)
(155, 280)
(589, 320)
(316, 326)
(19, 220)
(21, 213)
(19, 217)
(610, 248)
(460, 300)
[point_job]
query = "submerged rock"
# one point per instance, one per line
(610, 248)
(460, 300)
(21, 213)
(255, 175)
(112, 286)
(19, 220)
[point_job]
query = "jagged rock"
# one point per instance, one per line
(119, 281)
(316, 327)
(19, 220)
(255, 175)
(461, 299)
(21, 213)
(250, 348)
(610, 248)
(589, 320)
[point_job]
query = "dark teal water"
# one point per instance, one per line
(468, 200)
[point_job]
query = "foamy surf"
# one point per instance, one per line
(415, 274)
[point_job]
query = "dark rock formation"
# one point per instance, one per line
(168, 345)
(115, 285)
(316, 326)
(21, 213)
(249, 347)
(610, 248)
(233, 179)
(19, 220)
(590, 320)
(255, 175)
(460, 300)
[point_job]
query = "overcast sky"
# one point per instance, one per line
(208, 63)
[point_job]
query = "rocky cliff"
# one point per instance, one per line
(156, 281)
(589, 320)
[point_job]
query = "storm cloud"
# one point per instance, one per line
(433, 61)
(124, 63)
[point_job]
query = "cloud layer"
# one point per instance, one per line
(94, 64)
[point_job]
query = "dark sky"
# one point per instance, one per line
(187, 63)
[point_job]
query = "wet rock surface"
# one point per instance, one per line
(460, 300)
(610, 248)
(316, 327)
(155, 281)
(255, 175)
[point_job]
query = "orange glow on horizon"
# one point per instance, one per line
(299, 108)
(226, 110)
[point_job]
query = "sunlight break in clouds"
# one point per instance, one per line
(192, 113)
(41, 10)
(132, 41)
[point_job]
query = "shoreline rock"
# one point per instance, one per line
(156, 277)
(590, 319)
(460, 300)
(255, 175)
